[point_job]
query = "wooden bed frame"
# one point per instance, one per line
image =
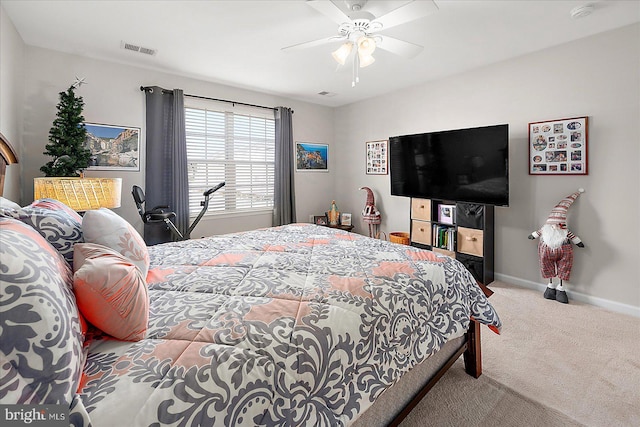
(7, 157)
(470, 350)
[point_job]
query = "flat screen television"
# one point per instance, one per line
(464, 165)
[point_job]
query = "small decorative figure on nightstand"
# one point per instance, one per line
(333, 214)
(555, 250)
(371, 214)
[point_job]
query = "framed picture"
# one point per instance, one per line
(447, 214)
(377, 158)
(345, 219)
(320, 220)
(113, 147)
(558, 147)
(312, 157)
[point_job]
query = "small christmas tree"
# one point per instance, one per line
(66, 138)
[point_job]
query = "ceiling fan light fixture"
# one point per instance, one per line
(366, 45)
(365, 60)
(342, 53)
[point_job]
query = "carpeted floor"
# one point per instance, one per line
(553, 365)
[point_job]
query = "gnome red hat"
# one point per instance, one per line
(370, 213)
(558, 214)
(370, 198)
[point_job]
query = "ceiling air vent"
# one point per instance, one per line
(325, 93)
(136, 48)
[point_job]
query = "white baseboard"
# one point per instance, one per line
(587, 299)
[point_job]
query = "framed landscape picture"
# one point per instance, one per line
(558, 147)
(312, 157)
(113, 147)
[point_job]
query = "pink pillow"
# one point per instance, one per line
(111, 292)
(105, 227)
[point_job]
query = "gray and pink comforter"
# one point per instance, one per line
(294, 325)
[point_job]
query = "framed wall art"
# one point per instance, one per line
(113, 147)
(312, 157)
(377, 158)
(558, 147)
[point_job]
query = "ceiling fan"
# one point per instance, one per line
(360, 30)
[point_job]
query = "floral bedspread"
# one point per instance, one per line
(294, 325)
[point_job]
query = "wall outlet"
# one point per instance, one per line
(311, 219)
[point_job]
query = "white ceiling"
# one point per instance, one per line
(238, 43)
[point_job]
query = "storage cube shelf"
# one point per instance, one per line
(469, 237)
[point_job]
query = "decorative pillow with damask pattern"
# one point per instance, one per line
(60, 225)
(55, 205)
(41, 339)
(105, 227)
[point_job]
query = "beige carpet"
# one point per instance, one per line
(553, 365)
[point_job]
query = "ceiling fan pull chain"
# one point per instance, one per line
(356, 66)
(354, 71)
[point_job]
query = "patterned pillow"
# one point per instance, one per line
(55, 205)
(111, 292)
(40, 333)
(56, 222)
(105, 227)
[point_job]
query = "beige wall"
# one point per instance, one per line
(596, 77)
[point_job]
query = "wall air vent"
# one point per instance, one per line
(136, 48)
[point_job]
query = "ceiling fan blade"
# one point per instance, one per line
(329, 10)
(313, 43)
(397, 46)
(409, 12)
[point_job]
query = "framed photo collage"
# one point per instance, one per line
(558, 147)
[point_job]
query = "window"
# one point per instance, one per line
(234, 146)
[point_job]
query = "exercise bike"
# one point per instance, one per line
(161, 214)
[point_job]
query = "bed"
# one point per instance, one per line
(292, 325)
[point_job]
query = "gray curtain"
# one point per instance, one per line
(166, 165)
(284, 209)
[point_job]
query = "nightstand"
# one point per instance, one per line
(341, 227)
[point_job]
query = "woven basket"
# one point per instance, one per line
(399, 237)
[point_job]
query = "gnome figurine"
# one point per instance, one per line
(555, 251)
(371, 214)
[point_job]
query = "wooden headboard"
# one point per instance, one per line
(8, 156)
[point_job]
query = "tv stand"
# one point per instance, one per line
(468, 237)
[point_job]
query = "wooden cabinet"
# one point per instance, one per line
(469, 237)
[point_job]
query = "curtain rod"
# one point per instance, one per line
(147, 89)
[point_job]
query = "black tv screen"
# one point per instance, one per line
(465, 165)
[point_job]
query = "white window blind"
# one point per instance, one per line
(233, 144)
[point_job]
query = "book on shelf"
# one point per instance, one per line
(443, 237)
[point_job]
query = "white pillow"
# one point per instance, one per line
(105, 227)
(8, 204)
